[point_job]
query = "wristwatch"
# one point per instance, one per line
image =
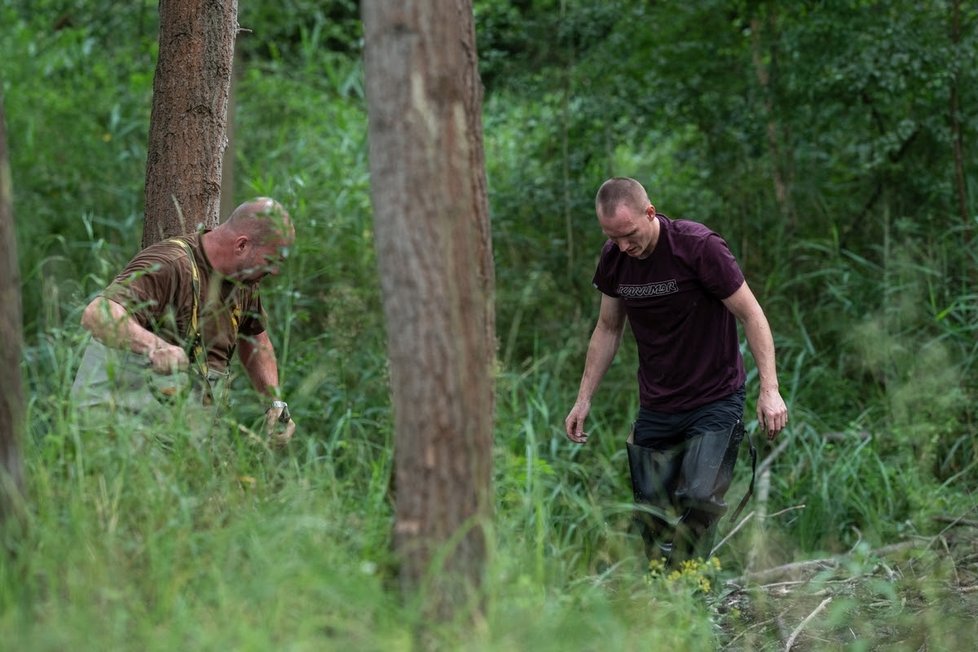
(285, 416)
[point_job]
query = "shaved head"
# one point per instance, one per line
(263, 219)
(252, 242)
(627, 217)
(620, 190)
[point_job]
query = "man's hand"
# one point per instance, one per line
(168, 359)
(574, 423)
(772, 413)
(279, 426)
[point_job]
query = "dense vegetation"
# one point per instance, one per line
(832, 143)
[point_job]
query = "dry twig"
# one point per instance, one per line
(801, 626)
(732, 532)
(956, 520)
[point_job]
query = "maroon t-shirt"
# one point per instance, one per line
(688, 348)
(156, 288)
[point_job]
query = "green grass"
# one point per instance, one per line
(216, 542)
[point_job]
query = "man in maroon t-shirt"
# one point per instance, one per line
(680, 288)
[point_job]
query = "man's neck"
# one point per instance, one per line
(654, 240)
(211, 246)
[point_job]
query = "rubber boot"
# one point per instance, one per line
(653, 473)
(707, 471)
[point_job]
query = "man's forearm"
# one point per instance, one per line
(600, 352)
(110, 324)
(761, 343)
(258, 358)
(264, 375)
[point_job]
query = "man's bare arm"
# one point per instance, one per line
(257, 355)
(601, 350)
(110, 324)
(258, 358)
(772, 413)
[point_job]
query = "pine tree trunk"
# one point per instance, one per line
(11, 333)
(434, 249)
(189, 117)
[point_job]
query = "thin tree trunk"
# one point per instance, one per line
(780, 169)
(957, 139)
(565, 125)
(11, 333)
(189, 117)
(434, 249)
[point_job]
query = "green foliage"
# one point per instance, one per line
(78, 101)
(864, 269)
(848, 489)
(296, 31)
(128, 535)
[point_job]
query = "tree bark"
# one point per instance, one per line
(228, 202)
(432, 235)
(11, 334)
(189, 118)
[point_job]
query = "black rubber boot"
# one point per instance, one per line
(707, 471)
(653, 473)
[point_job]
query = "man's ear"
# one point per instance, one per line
(650, 211)
(241, 244)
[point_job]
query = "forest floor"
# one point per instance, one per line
(919, 594)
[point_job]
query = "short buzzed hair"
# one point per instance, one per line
(262, 217)
(620, 190)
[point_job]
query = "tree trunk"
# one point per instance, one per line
(11, 331)
(187, 125)
(780, 164)
(954, 115)
(434, 247)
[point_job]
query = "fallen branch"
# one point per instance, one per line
(814, 565)
(732, 532)
(786, 586)
(743, 522)
(783, 584)
(794, 634)
(786, 509)
(956, 520)
(809, 565)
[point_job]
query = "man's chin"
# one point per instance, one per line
(249, 275)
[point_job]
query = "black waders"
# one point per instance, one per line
(679, 492)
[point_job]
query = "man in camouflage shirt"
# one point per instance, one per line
(180, 309)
